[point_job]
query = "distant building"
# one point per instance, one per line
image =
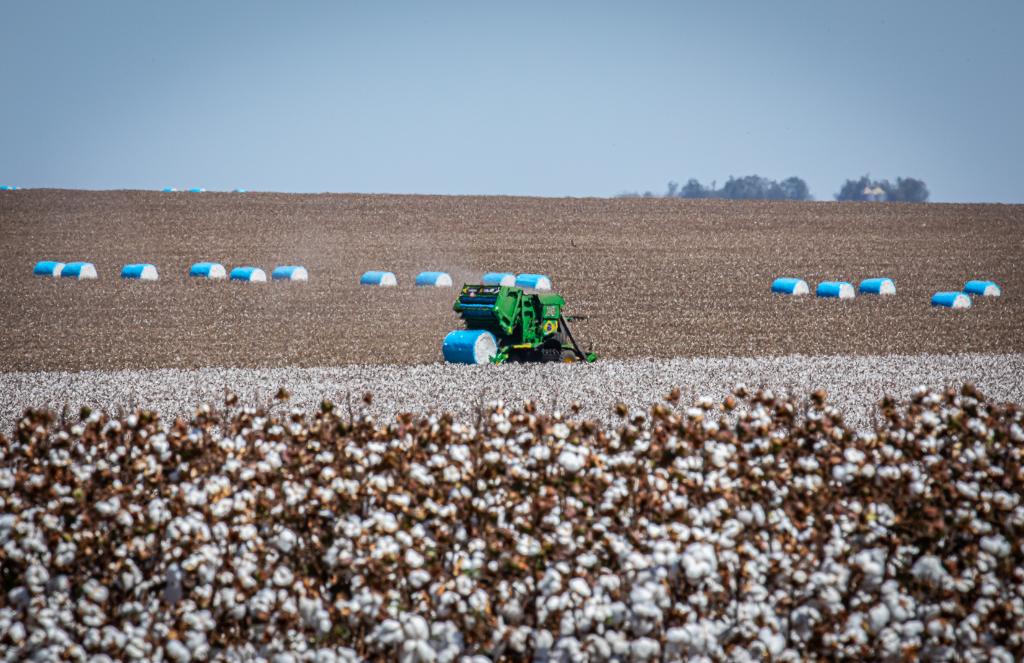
(875, 194)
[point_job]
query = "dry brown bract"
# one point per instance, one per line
(523, 537)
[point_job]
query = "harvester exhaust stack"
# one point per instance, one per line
(504, 323)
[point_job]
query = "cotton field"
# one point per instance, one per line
(755, 527)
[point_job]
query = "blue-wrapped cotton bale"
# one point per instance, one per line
(248, 275)
(951, 300)
(48, 268)
(376, 278)
(469, 346)
(983, 288)
(78, 270)
(289, 273)
(879, 286)
(787, 285)
(835, 289)
(141, 271)
(208, 270)
(434, 280)
(533, 281)
(499, 278)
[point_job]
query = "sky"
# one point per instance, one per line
(511, 98)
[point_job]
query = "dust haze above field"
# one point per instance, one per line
(657, 278)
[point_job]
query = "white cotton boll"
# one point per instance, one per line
(540, 453)
(773, 642)
(996, 545)
(929, 569)
(414, 559)
(699, 561)
(572, 462)
(878, 617)
(283, 576)
(96, 592)
(560, 431)
(415, 627)
(285, 540)
(580, 587)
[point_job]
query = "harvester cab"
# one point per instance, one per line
(507, 324)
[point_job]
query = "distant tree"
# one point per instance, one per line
(673, 189)
(906, 189)
(794, 188)
(909, 190)
(694, 189)
(854, 189)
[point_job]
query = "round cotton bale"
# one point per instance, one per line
(208, 270)
(879, 286)
(8, 187)
(78, 270)
(787, 285)
(951, 300)
(289, 273)
(434, 280)
(169, 189)
(382, 279)
(534, 281)
(48, 268)
(141, 271)
(499, 278)
(469, 346)
(197, 189)
(239, 190)
(983, 288)
(249, 275)
(835, 289)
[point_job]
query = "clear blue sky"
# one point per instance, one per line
(531, 98)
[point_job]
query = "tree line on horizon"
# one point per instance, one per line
(755, 187)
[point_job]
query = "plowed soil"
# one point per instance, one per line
(657, 278)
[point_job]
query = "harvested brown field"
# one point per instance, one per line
(658, 278)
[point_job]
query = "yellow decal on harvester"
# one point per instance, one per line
(550, 326)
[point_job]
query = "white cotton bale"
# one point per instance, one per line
(248, 275)
(208, 270)
(139, 271)
(434, 280)
(48, 268)
(878, 286)
(835, 289)
(378, 278)
(469, 346)
(951, 300)
(289, 273)
(499, 278)
(533, 281)
(78, 270)
(787, 285)
(983, 288)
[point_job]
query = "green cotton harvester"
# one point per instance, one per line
(504, 323)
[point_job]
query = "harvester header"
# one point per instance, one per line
(505, 323)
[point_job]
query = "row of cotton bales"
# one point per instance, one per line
(962, 298)
(444, 280)
(384, 279)
(68, 270)
(248, 274)
(195, 189)
(9, 187)
(148, 272)
(788, 285)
